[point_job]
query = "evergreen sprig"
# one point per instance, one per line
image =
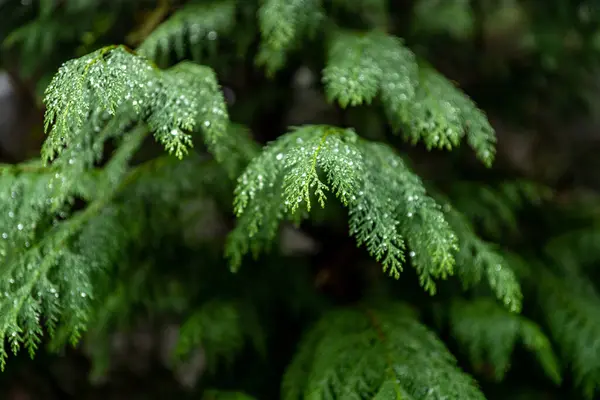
(114, 80)
(283, 23)
(49, 268)
(192, 28)
(477, 258)
(381, 352)
(489, 333)
(417, 99)
(570, 310)
(386, 200)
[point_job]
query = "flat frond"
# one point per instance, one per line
(192, 27)
(571, 314)
(191, 99)
(49, 265)
(418, 100)
(477, 258)
(489, 333)
(368, 178)
(361, 65)
(440, 115)
(372, 352)
(394, 202)
(116, 82)
(283, 23)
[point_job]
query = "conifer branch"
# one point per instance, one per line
(417, 99)
(386, 200)
(53, 277)
(192, 27)
(283, 23)
(354, 354)
(488, 333)
(571, 314)
(477, 257)
(113, 79)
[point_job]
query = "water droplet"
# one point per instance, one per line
(20, 227)
(4, 235)
(279, 157)
(174, 132)
(412, 254)
(207, 123)
(83, 294)
(11, 281)
(11, 214)
(410, 215)
(212, 35)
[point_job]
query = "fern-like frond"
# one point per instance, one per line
(361, 65)
(152, 201)
(386, 200)
(488, 333)
(195, 26)
(477, 258)
(49, 266)
(283, 23)
(572, 316)
(383, 352)
(113, 80)
(441, 115)
(417, 99)
(394, 202)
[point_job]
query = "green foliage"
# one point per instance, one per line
(570, 309)
(477, 257)
(194, 26)
(417, 99)
(489, 334)
(283, 24)
(438, 16)
(113, 78)
(49, 265)
(102, 231)
(382, 353)
(368, 178)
